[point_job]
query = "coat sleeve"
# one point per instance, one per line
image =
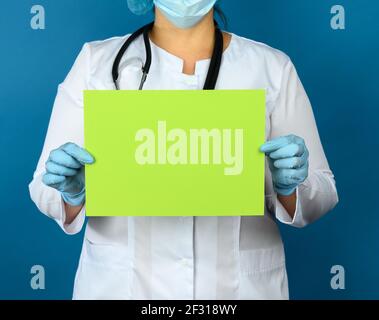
(66, 125)
(293, 115)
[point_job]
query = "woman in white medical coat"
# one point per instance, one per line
(186, 257)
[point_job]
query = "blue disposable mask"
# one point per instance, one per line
(184, 13)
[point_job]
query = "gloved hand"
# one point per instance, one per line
(65, 172)
(288, 162)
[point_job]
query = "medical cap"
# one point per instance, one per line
(140, 7)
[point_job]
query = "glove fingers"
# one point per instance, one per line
(274, 144)
(289, 163)
(277, 143)
(78, 153)
(60, 170)
(289, 177)
(288, 151)
(62, 158)
(52, 180)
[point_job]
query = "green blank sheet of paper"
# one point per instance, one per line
(175, 153)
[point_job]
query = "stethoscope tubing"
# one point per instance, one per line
(214, 67)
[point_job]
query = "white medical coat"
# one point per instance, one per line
(187, 257)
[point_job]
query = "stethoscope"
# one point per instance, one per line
(214, 67)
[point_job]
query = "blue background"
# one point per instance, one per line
(339, 70)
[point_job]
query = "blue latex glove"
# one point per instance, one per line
(288, 161)
(65, 172)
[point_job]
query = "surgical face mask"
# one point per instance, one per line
(184, 13)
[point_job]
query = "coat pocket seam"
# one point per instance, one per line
(260, 261)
